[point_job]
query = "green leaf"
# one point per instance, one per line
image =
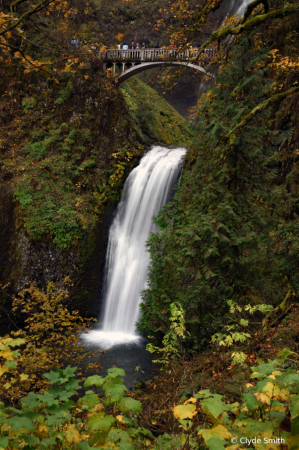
(216, 443)
(130, 404)
(47, 442)
(32, 400)
(116, 434)
(205, 393)
(54, 421)
(115, 392)
(295, 426)
(94, 380)
(30, 439)
(291, 379)
(251, 401)
(116, 371)
(84, 446)
(21, 422)
(125, 446)
(112, 379)
(65, 395)
(69, 372)
(265, 369)
(10, 364)
(294, 406)
(52, 376)
(4, 441)
(101, 423)
(99, 437)
(72, 384)
(215, 407)
(48, 398)
(90, 399)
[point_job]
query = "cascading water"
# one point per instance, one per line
(236, 6)
(148, 187)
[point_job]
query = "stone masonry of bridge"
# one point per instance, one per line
(126, 63)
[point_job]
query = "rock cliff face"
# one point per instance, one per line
(66, 152)
(46, 185)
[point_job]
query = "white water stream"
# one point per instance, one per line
(236, 7)
(148, 187)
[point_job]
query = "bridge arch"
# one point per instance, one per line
(140, 67)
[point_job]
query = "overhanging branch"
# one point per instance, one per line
(261, 107)
(220, 35)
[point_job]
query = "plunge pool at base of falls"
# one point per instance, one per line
(124, 351)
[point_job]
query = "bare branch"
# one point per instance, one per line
(26, 15)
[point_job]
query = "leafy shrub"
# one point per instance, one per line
(238, 328)
(49, 340)
(269, 412)
(28, 103)
(172, 341)
(62, 418)
(53, 419)
(24, 197)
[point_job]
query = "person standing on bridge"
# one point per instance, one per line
(132, 46)
(118, 46)
(137, 46)
(143, 45)
(125, 47)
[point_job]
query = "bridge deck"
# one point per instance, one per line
(153, 54)
(126, 63)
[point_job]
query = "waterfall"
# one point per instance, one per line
(232, 7)
(242, 8)
(148, 187)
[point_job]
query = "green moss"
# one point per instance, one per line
(62, 173)
(153, 116)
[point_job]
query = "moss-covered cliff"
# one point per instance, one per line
(66, 150)
(153, 117)
(65, 155)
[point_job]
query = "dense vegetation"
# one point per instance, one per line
(153, 116)
(61, 415)
(231, 232)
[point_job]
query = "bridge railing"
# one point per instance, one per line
(153, 54)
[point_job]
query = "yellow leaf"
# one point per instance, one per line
(120, 419)
(271, 390)
(292, 441)
(283, 396)
(42, 428)
(73, 436)
(98, 407)
(273, 374)
(263, 398)
(7, 354)
(3, 370)
(190, 400)
(248, 385)
(219, 431)
(235, 447)
(24, 377)
(182, 412)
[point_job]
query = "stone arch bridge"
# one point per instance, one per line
(126, 63)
